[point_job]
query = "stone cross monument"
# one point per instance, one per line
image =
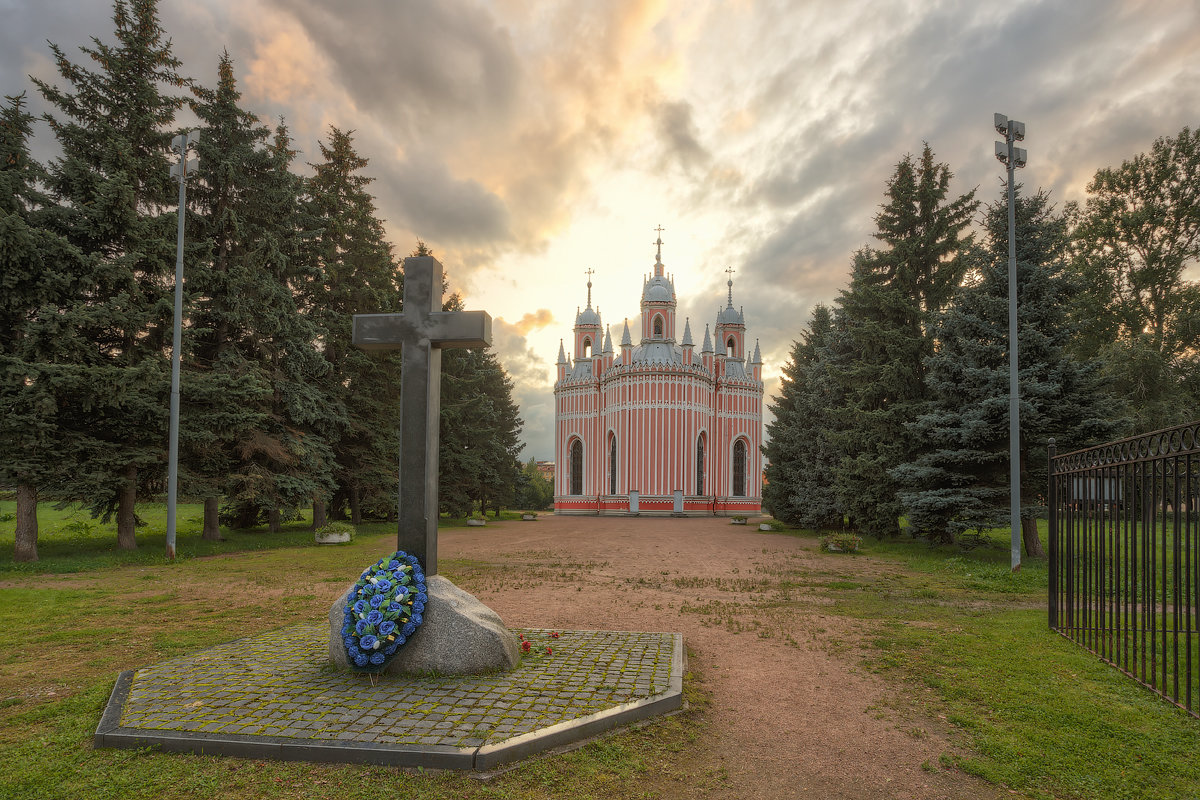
(421, 332)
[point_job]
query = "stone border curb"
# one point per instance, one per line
(111, 734)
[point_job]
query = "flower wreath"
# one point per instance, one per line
(383, 610)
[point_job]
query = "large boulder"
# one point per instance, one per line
(460, 636)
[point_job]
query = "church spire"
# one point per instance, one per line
(730, 270)
(590, 271)
(658, 265)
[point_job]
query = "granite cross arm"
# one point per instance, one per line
(421, 332)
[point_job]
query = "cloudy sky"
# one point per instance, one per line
(528, 142)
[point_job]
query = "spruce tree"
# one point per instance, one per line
(960, 482)
(113, 188)
(801, 458)
(37, 269)
(882, 336)
(224, 382)
(480, 428)
(358, 275)
(250, 419)
(288, 460)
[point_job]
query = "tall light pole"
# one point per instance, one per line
(1012, 157)
(180, 171)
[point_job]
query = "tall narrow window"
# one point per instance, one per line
(700, 464)
(731, 348)
(587, 348)
(658, 328)
(739, 468)
(577, 467)
(612, 465)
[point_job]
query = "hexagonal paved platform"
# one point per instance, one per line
(276, 696)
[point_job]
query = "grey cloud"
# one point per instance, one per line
(420, 65)
(435, 205)
(678, 133)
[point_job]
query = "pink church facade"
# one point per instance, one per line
(659, 428)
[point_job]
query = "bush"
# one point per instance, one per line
(841, 543)
(336, 527)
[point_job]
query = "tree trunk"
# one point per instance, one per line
(273, 520)
(1033, 543)
(318, 521)
(126, 540)
(27, 525)
(247, 517)
(212, 525)
(355, 507)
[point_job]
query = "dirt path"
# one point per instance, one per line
(791, 715)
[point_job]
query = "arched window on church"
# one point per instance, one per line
(658, 327)
(587, 347)
(612, 464)
(731, 348)
(700, 464)
(739, 468)
(577, 467)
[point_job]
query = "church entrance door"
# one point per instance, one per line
(678, 501)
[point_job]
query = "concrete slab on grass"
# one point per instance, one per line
(276, 696)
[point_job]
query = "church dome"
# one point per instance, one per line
(658, 290)
(587, 317)
(657, 353)
(730, 316)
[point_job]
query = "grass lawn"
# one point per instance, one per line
(91, 611)
(967, 642)
(963, 644)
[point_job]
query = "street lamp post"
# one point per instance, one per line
(180, 171)
(1012, 157)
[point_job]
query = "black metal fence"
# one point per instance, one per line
(1125, 556)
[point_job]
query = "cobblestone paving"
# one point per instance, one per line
(281, 684)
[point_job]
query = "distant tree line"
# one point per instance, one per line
(894, 401)
(279, 410)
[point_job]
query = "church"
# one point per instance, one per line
(658, 428)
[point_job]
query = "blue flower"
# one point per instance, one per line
(368, 642)
(353, 651)
(417, 619)
(359, 606)
(402, 592)
(369, 589)
(360, 660)
(375, 617)
(377, 658)
(349, 641)
(393, 606)
(421, 596)
(410, 559)
(386, 627)
(408, 629)
(377, 601)
(391, 648)
(383, 585)
(418, 607)
(362, 627)
(393, 564)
